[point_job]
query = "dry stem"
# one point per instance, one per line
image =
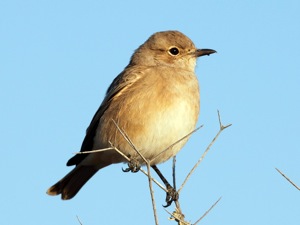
(177, 215)
(288, 179)
(143, 171)
(207, 211)
(79, 220)
(176, 142)
(129, 141)
(94, 151)
(148, 170)
(205, 152)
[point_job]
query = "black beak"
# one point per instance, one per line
(202, 52)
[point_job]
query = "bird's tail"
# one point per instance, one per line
(72, 182)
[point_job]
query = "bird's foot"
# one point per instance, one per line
(172, 195)
(133, 166)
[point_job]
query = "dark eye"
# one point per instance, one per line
(174, 51)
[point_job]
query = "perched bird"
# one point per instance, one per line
(155, 100)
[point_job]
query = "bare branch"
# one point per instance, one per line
(174, 172)
(222, 127)
(207, 211)
(94, 151)
(152, 194)
(205, 152)
(147, 162)
(288, 179)
(79, 220)
(154, 180)
(186, 136)
(143, 171)
(177, 214)
(178, 217)
(129, 141)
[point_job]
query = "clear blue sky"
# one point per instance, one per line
(57, 59)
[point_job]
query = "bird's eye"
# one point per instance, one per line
(174, 51)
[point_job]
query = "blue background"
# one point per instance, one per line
(57, 59)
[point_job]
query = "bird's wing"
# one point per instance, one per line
(119, 84)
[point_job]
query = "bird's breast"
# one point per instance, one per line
(154, 112)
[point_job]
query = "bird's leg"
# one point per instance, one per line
(133, 166)
(172, 194)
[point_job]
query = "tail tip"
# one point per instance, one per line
(52, 191)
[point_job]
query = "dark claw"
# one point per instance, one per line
(172, 195)
(133, 166)
(126, 170)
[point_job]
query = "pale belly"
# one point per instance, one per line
(153, 122)
(164, 129)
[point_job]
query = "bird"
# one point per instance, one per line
(155, 101)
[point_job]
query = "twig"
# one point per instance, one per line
(143, 171)
(147, 162)
(117, 150)
(207, 211)
(174, 172)
(152, 194)
(123, 133)
(178, 217)
(205, 152)
(222, 127)
(154, 180)
(184, 137)
(179, 214)
(79, 220)
(288, 179)
(93, 151)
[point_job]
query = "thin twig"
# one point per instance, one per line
(205, 152)
(179, 213)
(147, 162)
(154, 180)
(79, 220)
(94, 151)
(177, 217)
(126, 137)
(207, 211)
(222, 127)
(288, 179)
(152, 194)
(174, 172)
(184, 137)
(143, 171)
(117, 150)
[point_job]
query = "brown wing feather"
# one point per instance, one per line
(121, 82)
